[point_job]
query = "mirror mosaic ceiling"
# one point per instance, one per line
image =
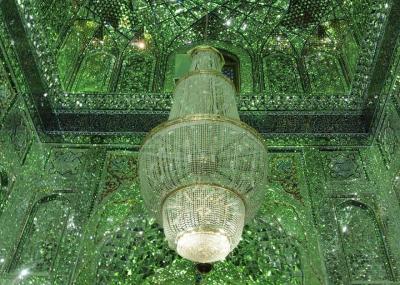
(313, 68)
(83, 81)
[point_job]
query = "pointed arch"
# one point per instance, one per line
(325, 73)
(94, 74)
(281, 74)
(280, 67)
(137, 70)
(124, 241)
(363, 244)
(42, 235)
(78, 37)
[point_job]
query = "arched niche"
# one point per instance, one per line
(325, 73)
(268, 253)
(363, 243)
(137, 70)
(281, 75)
(42, 235)
(338, 39)
(123, 244)
(294, 220)
(234, 56)
(79, 35)
(94, 73)
(347, 47)
(282, 208)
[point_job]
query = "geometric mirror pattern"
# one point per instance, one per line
(83, 82)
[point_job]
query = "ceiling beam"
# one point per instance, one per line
(380, 74)
(111, 122)
(29, 67)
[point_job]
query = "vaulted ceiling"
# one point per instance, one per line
(311, 71)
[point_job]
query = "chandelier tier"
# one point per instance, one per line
(202, 172)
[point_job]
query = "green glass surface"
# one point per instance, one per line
(82, 82)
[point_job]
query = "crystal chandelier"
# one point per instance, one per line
(202, 173)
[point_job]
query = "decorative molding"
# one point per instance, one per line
(64, 168)
(284, 171)
(342, 166)
(119, 169)
(59, 122)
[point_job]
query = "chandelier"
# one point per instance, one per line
(202, 173)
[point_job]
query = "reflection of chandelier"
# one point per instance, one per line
(203, 171)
